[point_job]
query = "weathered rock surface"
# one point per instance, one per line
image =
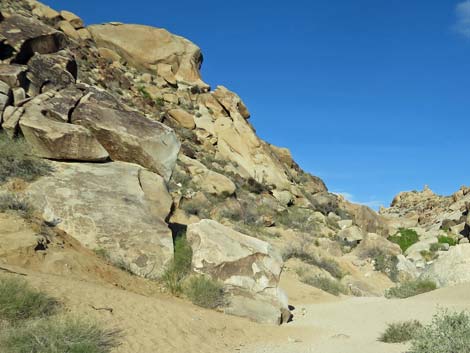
(147, 47)
(58, 140)
(24, 36)
(248, 267)
(128, 135)
(231, 102)
(208, 180)
(183, 118)
(451, 267)
(104, 207)
(51, 71)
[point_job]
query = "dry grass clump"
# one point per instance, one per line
(16, 160)
(32, 326)
(399, 332)
(410, 289)
(205, 292)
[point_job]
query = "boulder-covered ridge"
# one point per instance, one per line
(142, 150)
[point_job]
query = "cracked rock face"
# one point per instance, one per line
(249, 268)
(104, 207)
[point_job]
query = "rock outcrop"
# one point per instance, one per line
(105, 208)
(249, 268)
(154, 49)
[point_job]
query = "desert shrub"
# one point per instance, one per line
(254, 186)
(443, 239)
(297, 218)
(383, 262)
(160, 102)
(326, 284)
(18, 301)
(436, 247)
(196, 207)
(429, 255)
(180, 180)
(449, 332)
(15, 202)
(179, 267)
(327, 264)
(405, 238)
(16, 160)
(59, 335)
(410, 289)
(205, 292)
(398, 332)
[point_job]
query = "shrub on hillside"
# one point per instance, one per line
(443, 239)
(410, 289)
(401, 331)
(179, 267)
(327, 264)
(326, 284)
(205, 292)
(405, 238)
(449, 332)
(16, 161)
(18, 301)
(59, 335)
(14, 202)
(297, 218)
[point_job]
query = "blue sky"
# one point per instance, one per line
(371, 95)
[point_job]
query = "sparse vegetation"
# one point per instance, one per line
(160, 102)
(197, 207)
(405, 238)
(180, 266)
(327, 264)
(32, 325)
(449, 332)
(19, 302)
(59, 335)
(16, 161)
(326, 284)
(411, 288)
(254, 186)
(15, 202)
(143, 91)
(443, 239)
(429, 255)
(399, 332)
(205, 292)
(387, 264)
(297, 218)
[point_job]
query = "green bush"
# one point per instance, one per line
(326, 284)
(18, 301)
(401, 331)
(449, 332)
(405, 238)
(383, 262)
(205, 292)
(59, 335)
(443, 239)
(14, 202)
(410, 289)
(179, 267)
(327, 264)
(16, 161)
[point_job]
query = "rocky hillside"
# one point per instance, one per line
(112, 138)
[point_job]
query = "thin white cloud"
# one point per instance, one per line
(375, 204)
(463, 18)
